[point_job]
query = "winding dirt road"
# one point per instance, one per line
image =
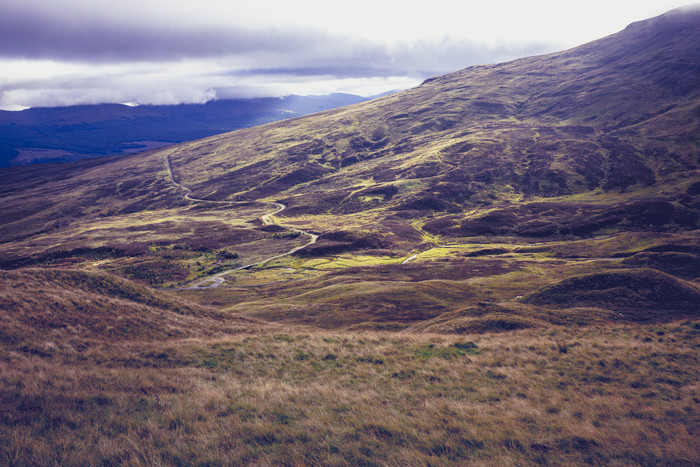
(216, 280)
(267, 218)
(188, 191)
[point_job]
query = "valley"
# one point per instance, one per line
(43, 134)
(500, 266)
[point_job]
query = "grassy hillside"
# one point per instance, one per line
(597, 139)
(601, 395)
(498, 267)
(587, 153)
(43, 309)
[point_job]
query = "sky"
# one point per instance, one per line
(70, 52)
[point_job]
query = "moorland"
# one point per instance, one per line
(499, 266)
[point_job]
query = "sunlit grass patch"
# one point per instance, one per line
(363, 260)
(345, 261)
(432, 254)
(317, 263)
(266, 275)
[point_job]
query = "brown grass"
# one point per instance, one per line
(624, 395)
(42, 309)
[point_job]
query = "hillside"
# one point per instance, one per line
(606, 119)
(483, 185)
(498, 267)
(47, 309)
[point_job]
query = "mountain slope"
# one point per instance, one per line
(498, 179)
(552, 199)
(617, 115)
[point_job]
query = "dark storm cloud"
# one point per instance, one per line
(40, 34)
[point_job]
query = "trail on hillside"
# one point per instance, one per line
(188, 191)
(267, 220)
(217, 279)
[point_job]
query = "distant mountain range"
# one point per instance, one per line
(70, 133)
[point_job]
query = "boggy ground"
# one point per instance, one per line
(606, 394)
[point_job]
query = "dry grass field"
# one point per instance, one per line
(95, 370)
(603, 395)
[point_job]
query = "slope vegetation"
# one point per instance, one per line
(644, 294)
(519, 175)
(553, 197)
(42, 307)
(615, 119)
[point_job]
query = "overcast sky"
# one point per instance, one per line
(71, 52)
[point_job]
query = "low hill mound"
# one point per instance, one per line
(680, 264)
(508, 316)
(465, 323)
(640, 294)
(59, 305)
(343, 305)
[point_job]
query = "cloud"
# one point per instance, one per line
(85, 84)
(41, 35)
(101, 92)
(365, 71)
(30, 32)
(54, 55)
(195, 81)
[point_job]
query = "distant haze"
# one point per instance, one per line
(176, 51)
